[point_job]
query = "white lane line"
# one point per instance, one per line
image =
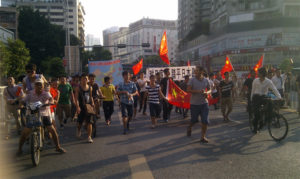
(139, 167)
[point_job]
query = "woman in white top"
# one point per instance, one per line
(260, 89)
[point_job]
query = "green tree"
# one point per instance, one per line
(43, 39)
(99, 53)
(55, 63)
(286, 65)
(13, 58)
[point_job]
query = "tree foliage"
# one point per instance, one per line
(44, 40)
(99, 53)
(286, 65)
(13, 58)
(55, 67)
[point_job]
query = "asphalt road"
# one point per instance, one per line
(165, 152)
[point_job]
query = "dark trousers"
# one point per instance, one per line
(108, 108)
(142, 101)
(167, 108)
(257, 101)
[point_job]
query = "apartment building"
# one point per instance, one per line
(144, 31)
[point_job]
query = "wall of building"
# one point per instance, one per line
(5, 35)
(144, 31)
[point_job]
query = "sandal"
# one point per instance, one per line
(61, 150)
(204, 140)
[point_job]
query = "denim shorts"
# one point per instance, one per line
(127, 110)
(201, 110)
(154, 109)
(46, 121)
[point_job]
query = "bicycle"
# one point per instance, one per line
(276, 123)
(36, 138)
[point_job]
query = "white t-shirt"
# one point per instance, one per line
(262, 88)
(279, 81)
(142, 84)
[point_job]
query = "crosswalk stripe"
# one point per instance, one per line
(139, 167)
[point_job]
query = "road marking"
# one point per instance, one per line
(139, 167)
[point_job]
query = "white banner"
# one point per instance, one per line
(177, 73)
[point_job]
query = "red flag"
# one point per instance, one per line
(259, 64)
(188, 63)
(163, 50)
(137, 68)
(177, 96)
(227, 67)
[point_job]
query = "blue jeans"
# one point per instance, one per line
(201, 110)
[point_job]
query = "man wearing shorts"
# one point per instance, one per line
(199, 87)
(126, 91)
(64, 103)
(38, 94)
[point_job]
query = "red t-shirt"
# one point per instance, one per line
(54, 93)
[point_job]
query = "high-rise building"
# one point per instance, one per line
(191, 12)
(108, 38)
(144, 31)
(9, 19)
(7, 3)
(246, 29)
(91, 40)
(69, 14)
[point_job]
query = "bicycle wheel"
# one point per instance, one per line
(35, 150)
(278, 127)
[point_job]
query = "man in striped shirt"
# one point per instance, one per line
(153, 92)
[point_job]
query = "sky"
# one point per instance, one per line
(103, 14)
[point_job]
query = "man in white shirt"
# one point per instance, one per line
(143, 101)
(279, 79)
(260, 89)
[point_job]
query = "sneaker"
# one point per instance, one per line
(108, 123)
(90, 140)
(204, 140)
(61, 150)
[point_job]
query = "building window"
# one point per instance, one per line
(70, 10)
(70, 16)
(71, 22)
(71, 29)
(56, 7)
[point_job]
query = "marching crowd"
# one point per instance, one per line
(81, 98)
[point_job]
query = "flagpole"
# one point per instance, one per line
(231, 63)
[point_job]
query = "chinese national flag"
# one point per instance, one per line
(163, 50)
(188, 63)
(177, 96)
(227, 67)
(259, 64)
(137, 68)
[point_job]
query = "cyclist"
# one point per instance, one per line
(38, 94)
(31, 77)
(260, 89)
(12, 96)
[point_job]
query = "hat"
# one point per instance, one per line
(39, 80)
